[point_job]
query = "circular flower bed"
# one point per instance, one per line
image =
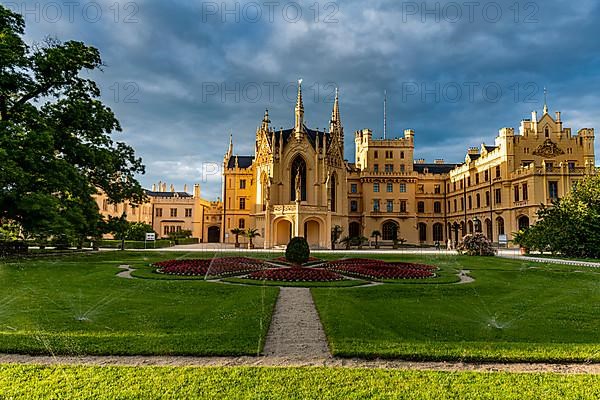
(225, 266)
(378, 269)
(296, 275)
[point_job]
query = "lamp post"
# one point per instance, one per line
(455, 227)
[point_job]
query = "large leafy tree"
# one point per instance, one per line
(571, 226)
(56, 149)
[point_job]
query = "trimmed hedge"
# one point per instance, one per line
(186, 241)
(297, 251)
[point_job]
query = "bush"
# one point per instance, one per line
(476, 245)
(138, 230)
(297, 251)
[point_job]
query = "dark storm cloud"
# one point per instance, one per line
(182, 75)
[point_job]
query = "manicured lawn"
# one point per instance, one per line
(36, 382)
(514, 311)
(76, 305)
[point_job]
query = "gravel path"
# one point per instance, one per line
(464, 277)
(296, 331)
(126, 273)
(268, 361)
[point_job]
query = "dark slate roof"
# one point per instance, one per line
(490, 148)
(167, 194)
(310, 134)
(474, 157)
(243, 161)
(434, 168)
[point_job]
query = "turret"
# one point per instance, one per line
(299, 113)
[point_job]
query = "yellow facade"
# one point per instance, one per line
(298, 184)
(169, 211)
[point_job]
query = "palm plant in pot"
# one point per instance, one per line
(251, 234)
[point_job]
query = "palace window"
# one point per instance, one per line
(498, 196)
(159, 212)
(455, 205)
(454, 185)
(478, 200)
(461, 184)
(402, 154)
(389, 167)
(547, 132)
(375, 154)
(525, 192)
(437, 189)
(173, 212)
(104, 205)
(242, 184)
(402, 206)
(375, 167)
(402, 168)
(498, 171)
(376, 207)
(390, 187)
(353, 188)
(571, 165)
(462, 204)
(553, 190)
(389, 230)
(188, 212)
(477, 178)
(376, 187)
(353, 206)
(469, 181)
(421, 207)
(438, 232)
(516, 189)
(242, 203)
(389, 206)
(487, 199)
(403, 188)
(549, 166)
(470, 202)
(486, 175)
(242, 223)
(422, 232)
(437, 207)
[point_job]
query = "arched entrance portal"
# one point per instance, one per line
(389, 230)
(311, 233)
(214, 234)
(283, 232)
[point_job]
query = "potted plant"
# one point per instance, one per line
(251, 234)
(520, 238)
(362, 241)
(346, 240)
(237, 232)
(376, 234)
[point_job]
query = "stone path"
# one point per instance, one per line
(464, 277)
(248, 361)
(296, 331)
(126, 273)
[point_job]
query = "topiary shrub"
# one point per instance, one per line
(476, 245)
(297, 251)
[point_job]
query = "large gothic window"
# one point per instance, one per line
(298, 165)
(390, 230)
(332, 182)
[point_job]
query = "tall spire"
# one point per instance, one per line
(384, 114)
(230, 149)
(545, 101)
(299, 112)
(336, 121)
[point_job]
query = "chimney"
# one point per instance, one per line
(172, 188)
(196, 190)
(473, 150)
(185, 187)
(558, 116)
(420, 161)
(439, 161)
(154, 187)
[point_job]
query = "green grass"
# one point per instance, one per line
(76, 305)
(38, 382)
(514, 311)
(334, 284)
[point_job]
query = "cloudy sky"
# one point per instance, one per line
(181, 75)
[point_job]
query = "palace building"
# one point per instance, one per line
(297, 183)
